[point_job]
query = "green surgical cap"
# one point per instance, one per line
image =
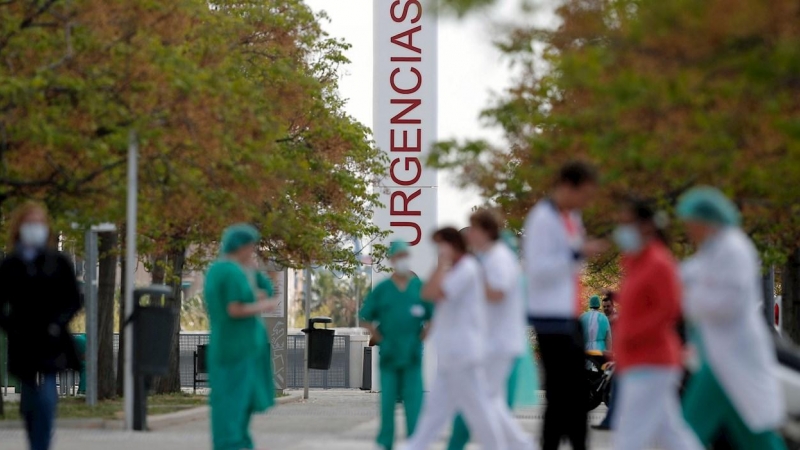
(237, 236)
(397, 247)
(594, 302)
(510, 239)
(708, 205)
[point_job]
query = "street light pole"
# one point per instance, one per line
(307, 294)
(130, 261)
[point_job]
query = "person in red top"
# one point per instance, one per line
(647, 347)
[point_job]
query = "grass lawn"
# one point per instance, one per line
(76, 408)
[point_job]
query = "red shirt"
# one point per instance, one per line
(650, 306)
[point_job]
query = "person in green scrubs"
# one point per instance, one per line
(239, 354)
(397, 319)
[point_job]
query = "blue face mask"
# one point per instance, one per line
(628, 238)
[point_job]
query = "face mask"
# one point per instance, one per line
(402, 266)
(34, 235)
(628, 238)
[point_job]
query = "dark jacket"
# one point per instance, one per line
(37, 301)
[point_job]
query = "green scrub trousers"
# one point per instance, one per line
(709, 411)
(405, 383)
(460, 437)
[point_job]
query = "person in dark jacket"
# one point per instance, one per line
(40, 296)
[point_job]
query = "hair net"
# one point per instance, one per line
(237, 236)
(396, 248)
(709, 205)
(594, 302)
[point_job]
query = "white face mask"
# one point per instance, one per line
(402, 266)
(34, 234)
(628, 238)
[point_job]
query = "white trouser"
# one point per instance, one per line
(649, 411)
(458, 390)
(498, 369)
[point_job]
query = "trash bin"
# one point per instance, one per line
(366, 371)
(153, 332)
(320, 344)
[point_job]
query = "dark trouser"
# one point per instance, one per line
(38, 408)
(609, 420)
(566, 389)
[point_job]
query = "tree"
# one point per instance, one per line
(662, 95)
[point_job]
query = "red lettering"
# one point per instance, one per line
(406, 91)
(405, 11)
(416, 228)
(398, 119)
(404, 211)
(405, 59)
(396, 39)
(416, 177)
(405, 147)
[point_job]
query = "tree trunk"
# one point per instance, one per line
(790, 285)
(159, 269)
(172, 381)
(121, 330)
(107, 283)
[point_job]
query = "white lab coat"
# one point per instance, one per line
(552, 263)
(722, 298)
(506, 326)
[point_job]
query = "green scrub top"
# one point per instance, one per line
(400, 317)
(233, 339)
(595, 336)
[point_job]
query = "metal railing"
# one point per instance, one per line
(337, 377)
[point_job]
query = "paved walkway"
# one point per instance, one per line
(330, 420)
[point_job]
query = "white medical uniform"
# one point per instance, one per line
(506, 336)
(458, 331)
(722, 284)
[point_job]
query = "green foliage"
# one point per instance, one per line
(335, 297)
(661, 95)
(236, 110)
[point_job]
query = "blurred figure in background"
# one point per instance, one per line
(396, 317)
(555, 249)
(240, 356)
(459, 332)
(648, 349)
(596, 327)
(506, 338)
(736, 389)
(41, 292)
(610, 307)
(610, 310)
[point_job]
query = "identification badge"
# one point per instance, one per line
(417, 311)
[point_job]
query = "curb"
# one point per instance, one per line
(157, 422)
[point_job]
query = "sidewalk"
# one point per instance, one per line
(330, 420)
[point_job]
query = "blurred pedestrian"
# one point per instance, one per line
(240, 357)
(596, 327)
(397, 317)
(506, 336)
(555, 248)
(647, 346)
(41, 292)
(458, 332)
(735, 390)
(610, 307)
(610, 310)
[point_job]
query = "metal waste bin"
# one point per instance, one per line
(153, 332)
(366, 370)
(320, 343)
